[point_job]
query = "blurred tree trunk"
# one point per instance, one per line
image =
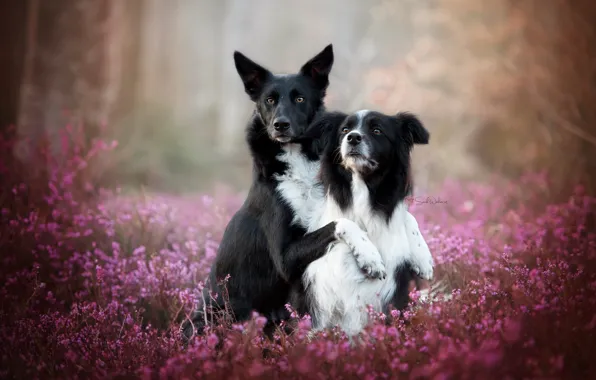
(13, 29)
(180, 40)
(176, 92)
(77, 60)
(232, 100)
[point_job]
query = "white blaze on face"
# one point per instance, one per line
(361, 114)
(361, 162)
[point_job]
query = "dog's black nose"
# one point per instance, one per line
(354, 138)
(281, 124)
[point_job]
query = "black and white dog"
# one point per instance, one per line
(265, 247)
(365, 177)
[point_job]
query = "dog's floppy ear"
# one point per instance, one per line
(324, 130)
(412, 126)
(330, 136)
(319, 67)
(252, 74)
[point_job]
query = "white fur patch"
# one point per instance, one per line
(298, 186)
(361, 115)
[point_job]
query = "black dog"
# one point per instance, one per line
(265, 248)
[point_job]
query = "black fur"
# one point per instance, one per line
(401, 298)
(261, 251)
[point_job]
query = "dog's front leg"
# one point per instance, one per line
(367, 255)
(421, 260)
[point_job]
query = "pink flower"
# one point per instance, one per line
(212, 340)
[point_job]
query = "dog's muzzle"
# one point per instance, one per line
(356, 153)
(281, 130)
(354, 139)
(353, 146)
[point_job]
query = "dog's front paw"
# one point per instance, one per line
(345, 227)
(369, 259)
(373, 269)
(425, 269)
(367, 255)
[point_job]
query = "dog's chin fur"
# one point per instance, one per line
(359, 164)
(283, 140)
(278, 137)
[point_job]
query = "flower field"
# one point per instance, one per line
(96, 287)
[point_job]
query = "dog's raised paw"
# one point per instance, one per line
(426, 272)
(369, 259)
(374, 269)
(367, 255)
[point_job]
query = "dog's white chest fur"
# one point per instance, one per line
(341, 292)
(298, 186)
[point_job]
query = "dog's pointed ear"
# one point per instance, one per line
(319, 67)
(413, 127)
(253, 75)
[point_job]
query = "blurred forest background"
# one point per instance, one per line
(503, 86)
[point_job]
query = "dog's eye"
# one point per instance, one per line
(377, 131)
(345, 130)
(299, 99)
(270, 100)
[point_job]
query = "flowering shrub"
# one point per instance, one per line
(98, 288)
